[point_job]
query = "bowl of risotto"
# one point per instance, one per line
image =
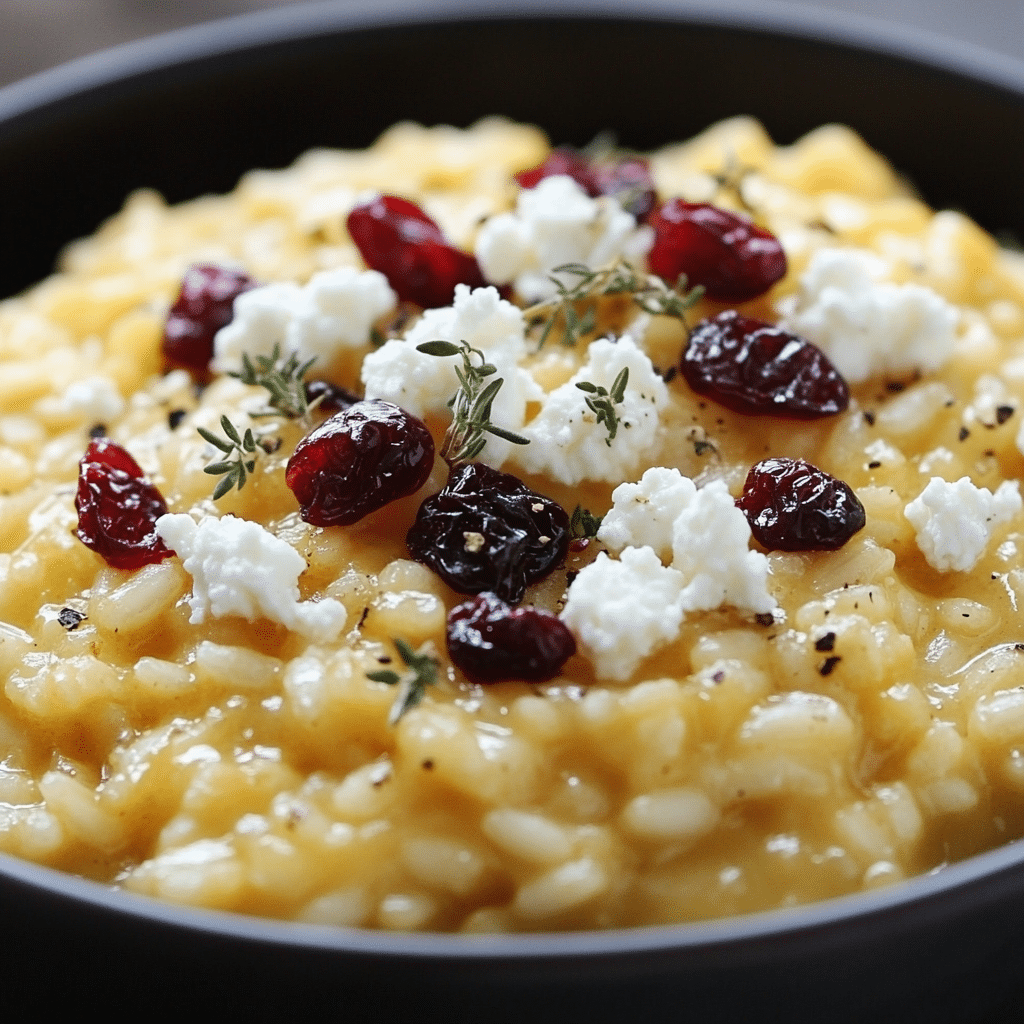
(515, 513)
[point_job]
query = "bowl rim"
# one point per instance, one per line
(39, 95)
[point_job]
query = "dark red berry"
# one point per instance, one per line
(628, 179)
(487, 531)
(753, 367)
(204, 305)
(397, 238)
(734, 259)
(794, 506)
(332, 397)
(358, 461)
(493, 642)
(117, 508)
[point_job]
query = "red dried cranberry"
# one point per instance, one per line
(628, 179)
(753, 367)
(204, 305)
(794, 506)
(117, 508)
(734, 259)
(397, 238)
(493, 642)
(358, 461)
(333, 397)
(487, 531)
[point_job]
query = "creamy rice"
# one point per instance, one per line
(873, 731)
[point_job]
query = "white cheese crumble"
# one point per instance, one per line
(566, 440)
(865, 325)
(621, 611)
(333, 311)
(955, 521)
(239, 568)
(643, 514)
(423, 384)
(95, 398)
(554, 224)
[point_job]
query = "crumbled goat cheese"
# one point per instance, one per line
(566, 440)
(423, 384)
(239, 568)
(711, 549)
(333, 311)
(955, 522)
(621, 611)
(95, 398)
(643, 514)
(865, 325)
(554, 224)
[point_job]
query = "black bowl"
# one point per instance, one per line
(188, 113)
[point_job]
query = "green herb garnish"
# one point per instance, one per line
(235, 470)
(471, 404)
(583, 524)
(602, 402)
(412, 684)
(283, 380)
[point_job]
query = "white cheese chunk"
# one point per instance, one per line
(621, 611)
(711, 549)
(865, 325)
(95, 399)
(566, 440)
(239, 568)
(644, 514)
(334, 311)
(955, 521)
(554, 224)
(423, 384)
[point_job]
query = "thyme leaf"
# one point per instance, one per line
(471, 404)
(283, 380)
(583, 524)
(648, 291)
(235, 470)
(601, 402)
(412, 684)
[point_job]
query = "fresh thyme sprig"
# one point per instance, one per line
(283, 380)
(235, 470)
(583, 524)
(471, 404)
(648, 291)
(602, 402)
(422, 672)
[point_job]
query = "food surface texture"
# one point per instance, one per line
(469, 535)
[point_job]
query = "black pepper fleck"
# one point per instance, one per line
(869, 417)
(174, 418)
(69, 618)
(1003, 413)
(428, 765)
(98, 430)
(825, 668)
(825, 642)
(764, 619)
(874, 464)
(964, 434)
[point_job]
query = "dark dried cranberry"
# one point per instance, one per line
(628, 179)
(734, 259)
(333, 397)
(487, 531)
(117, 508)
(204, 305)
(794, 506)
(753, 367)
(397, 238)
(493, 642)
(358, 461)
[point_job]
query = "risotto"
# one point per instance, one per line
(668, 705)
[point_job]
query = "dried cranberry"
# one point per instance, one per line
(117, 508)
(753, 367)
(332, 397)
(628, 179)
(794, 506)
(358, 461)
(204, 305)
(487, 531)
(734, 259)
(493, 642)
(397, 238)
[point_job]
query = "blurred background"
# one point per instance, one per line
(36, 34)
